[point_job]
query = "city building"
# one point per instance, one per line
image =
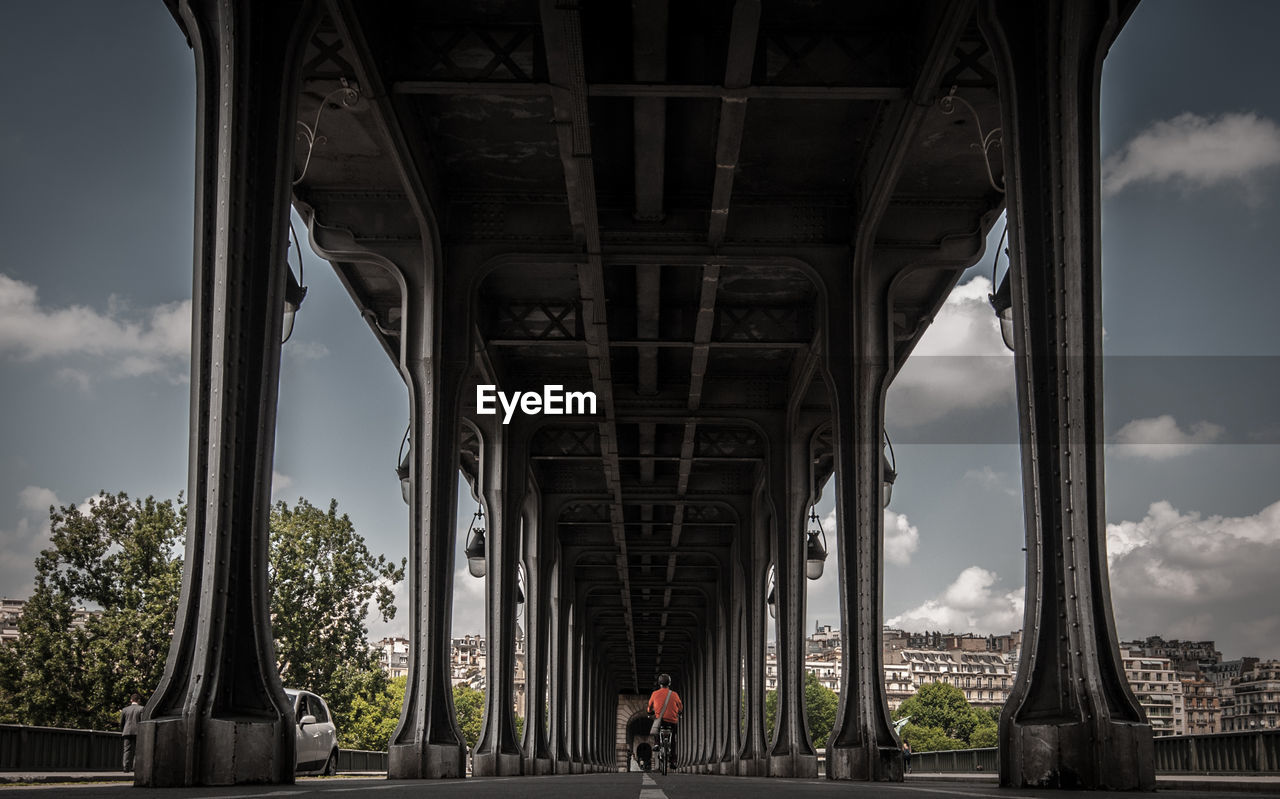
(1158, 689)
(1254, 703)
(1188, 658)
(984, 677)
(393, 656)
(897, 683)
(1204, 714)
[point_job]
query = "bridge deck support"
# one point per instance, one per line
(862, 744)
(1071, 720)
(220, 716)
(792, 754)
(497, 752)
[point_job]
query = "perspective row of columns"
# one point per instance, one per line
(220, 715)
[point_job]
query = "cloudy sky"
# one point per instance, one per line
(96, 164)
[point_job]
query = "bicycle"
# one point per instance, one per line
(663, 748)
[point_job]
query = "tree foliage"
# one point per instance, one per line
(941, 719)
(468, 708)
(115, 556)
(372, 716)
(322, 578)
(120, 558)
(821, 705)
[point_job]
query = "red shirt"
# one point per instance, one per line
(672, 715)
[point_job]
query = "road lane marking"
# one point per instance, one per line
(649, 789)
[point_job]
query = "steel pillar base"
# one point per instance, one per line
(426, 761)
(793, 766)
(753, 767)
(560, 766)
(497, 764)
(575, 767)
(1113, 756)
(727, 768)
(228, 752)
(539, 766)
(867, 763)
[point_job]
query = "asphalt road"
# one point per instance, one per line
(587, 786)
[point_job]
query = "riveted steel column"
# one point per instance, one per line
(1071, 720)
(862, 744)
(577, 708)
(792, 754)
(560, 659)
(726, 679)
(497, 752)
(427, 743)
(732, 672)
(733, 682)
(752, 759)
(220, 716)
(536, 743)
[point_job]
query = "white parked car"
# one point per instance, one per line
(317, 735)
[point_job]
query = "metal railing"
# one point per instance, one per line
(361, 760)
(955, 761)
(1220, 753)
(1254, 752)
(24, 748)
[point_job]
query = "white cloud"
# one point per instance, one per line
(279, 483)
(901, 538)
(991, 480)
(1196, 152)
(1160, 438)
(1207, 577)
(968, 604)
(20, 545)
(468, 603)
(157, 341)
(305, 350)
(961, 362)
(36, 499)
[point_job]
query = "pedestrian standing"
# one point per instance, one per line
(130, 716)
(906, 756)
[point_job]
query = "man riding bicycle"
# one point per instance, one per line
(666, 702)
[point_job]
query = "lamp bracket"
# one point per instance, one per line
(986, 140)
(350, 92)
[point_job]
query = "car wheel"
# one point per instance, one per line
(331, 765)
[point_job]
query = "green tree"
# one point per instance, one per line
(373, 716)
(468, 707)
(984, 736)
(117, 557)
(941, 718)
(821, 704)
(120, 558)
(322, 578)
(929, 739)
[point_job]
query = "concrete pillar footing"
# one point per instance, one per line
(426, 761)
(1072, 756)
(793, 766)
(235, 752)
(866, 763)
(496, 764)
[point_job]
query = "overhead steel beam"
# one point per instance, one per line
(688, 91)
(649, 64)
(562, 34)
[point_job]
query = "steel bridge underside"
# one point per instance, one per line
(730, 222)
